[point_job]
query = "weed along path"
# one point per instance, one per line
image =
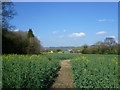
(64, 79)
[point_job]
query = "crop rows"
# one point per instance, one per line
(95, 71)
(28, 71)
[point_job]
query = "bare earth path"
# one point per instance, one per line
(64, 79)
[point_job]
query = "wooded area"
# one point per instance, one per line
(16, 42)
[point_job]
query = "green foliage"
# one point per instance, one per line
(38, 71)
(109, 46)
(14, 42)
(19, 43)
(96, 71)
(28, 71)
(30, 33)
(61, 56)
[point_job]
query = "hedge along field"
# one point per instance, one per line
(28, 71)
(96, 71)
(61, 56)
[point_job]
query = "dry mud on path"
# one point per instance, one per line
(65, 78)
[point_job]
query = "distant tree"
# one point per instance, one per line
(19, 43)
(76, 51)
(71, 51)
(85, 46)
(30, 33)
(7, 42)
(118, 49)
(58, 50)
(109, 46)
(99, 47)
(16, 42)
(85, 49)
(110, 43)
(34, 46)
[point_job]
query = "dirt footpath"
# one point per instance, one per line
(64, 79)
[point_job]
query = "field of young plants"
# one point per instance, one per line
(96, 71)
(28, 71)
(39, 71)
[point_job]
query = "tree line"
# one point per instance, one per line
(16, 42)
(108, 46)
(20, 42)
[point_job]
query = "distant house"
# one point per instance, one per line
(92, 45)
(51, 51)
(69, 50)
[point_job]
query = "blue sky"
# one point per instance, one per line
(65, 0)
(68, 23)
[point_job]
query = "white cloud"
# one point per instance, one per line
(77, 34)
(16, 30)
(55, 32)
(64, 30)
(102, 20)
(81, 34)
(105, 20)
(112, 36)
(102, 32)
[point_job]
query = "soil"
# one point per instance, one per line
(65, 78)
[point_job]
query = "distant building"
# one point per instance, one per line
(69, 50)
(92, 45)
(51, 51)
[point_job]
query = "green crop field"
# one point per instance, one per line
(39, 71)
(28, 71)
(61, 56)
(96, 71)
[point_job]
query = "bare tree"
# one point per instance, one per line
(109, 41)
(7, 14)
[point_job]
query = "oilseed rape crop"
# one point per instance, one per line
(28, 71)
(95, 71)
(40, 71)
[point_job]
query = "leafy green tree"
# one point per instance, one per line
(109, 46)
(110, 43)
(16, 42)
(118, 49)
(58, 50)
(30, 33)
(85, 49)
(34, 46)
